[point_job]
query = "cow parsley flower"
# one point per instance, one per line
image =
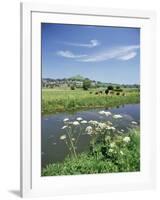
(109, 123)
(111, 128)
(126, 139)
(89, 130)
(63, 137)
(79, 118)
(107, 113)
(83, 122)
(117, 116)
(102, 125)
(75, 123)
(112, 145)
(101, 112)
(66, 119)
(94, 122)
(64, 127)
(133, 122)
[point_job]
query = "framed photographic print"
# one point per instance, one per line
(87, 100)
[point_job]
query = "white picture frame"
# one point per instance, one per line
(32, 184)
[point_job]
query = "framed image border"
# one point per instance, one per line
(26, 81)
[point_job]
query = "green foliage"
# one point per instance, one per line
(110, 87)
(86, 84)
(106, 91)
(72, 87)
(113, 155)
(118, 90)
(117, 87)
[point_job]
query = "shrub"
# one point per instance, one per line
(86, 84)
(106, 91)
(110, 87)
(117, 87)
(72, 87)
(118, 90)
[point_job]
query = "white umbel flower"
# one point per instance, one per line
(109, 123)
(63, 137)
(66, 119)
(102, 125)
(133, 122)
(93, 122)
(75, 123)
(126, 139)
(79, 118)
(111, 128)
(117, 116)
(101, 112)
(89, 130)
(64, 127)
(83, 122)
(112, 145)
(107, 113)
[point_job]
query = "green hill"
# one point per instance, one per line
(77, 78)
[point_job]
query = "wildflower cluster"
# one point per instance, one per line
(100, 133)
(73, 131)
(111, 149)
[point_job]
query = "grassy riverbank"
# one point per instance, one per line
(59, 100)
(119, 153)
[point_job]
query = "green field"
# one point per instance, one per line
(65, 99)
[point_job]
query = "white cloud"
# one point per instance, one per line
(128, 56)
(91, 44)
(123, 53)
(69, 54)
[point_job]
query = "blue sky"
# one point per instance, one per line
(107, 54)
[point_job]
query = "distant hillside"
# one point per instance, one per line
(77, 78)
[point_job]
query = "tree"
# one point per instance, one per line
(86, 84)
(117, 87)
(106, 91)
(110, 87)
(72, 87)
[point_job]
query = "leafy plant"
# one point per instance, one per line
(86, 84)
(72, 87)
